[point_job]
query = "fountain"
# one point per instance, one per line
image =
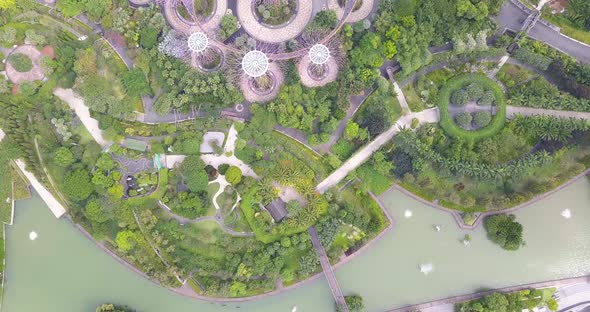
(294, 309)
(33, 235)
(408, 213)
(437, 228)
(426, 268)
(566, 213)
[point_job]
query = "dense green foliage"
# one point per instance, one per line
(108, 307)
(540, 93)
(20, 62)
(517, 301)
(504, 230)
(458, 83)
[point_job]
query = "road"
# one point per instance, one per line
(512, 17)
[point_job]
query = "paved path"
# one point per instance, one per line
(512, 17)
(216, 160)
(462, 298)
(426, 116)
(54, 205)
(278, 34)
(328, 271)
(398, 92)
(531, 111)
(492, 74)
(217, 218)
(355, 102)
(77, 104)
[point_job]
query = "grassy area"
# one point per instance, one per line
(20, 185)
(413, 99)
(513, 75)
(446, 120)
(567, 28)
(211, 191)
(373, 180)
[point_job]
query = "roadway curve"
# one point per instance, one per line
(512, 16)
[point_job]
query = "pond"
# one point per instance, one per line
(64, 271)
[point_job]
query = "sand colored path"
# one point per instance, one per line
(55, 206)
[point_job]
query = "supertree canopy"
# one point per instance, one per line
(198, 42)
(255, 63)
(319, 54)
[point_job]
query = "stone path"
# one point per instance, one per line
(279, 34)
(36, 72)
(531, 111)
(77, 104)
(399, 94)
(492, 74)
(222, 185)
(54, 205)
(217, 218)
(426, 116)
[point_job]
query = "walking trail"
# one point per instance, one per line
(531, 111)
(77, 104)
(426, 116)
(54, 205)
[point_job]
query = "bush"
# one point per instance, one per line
(474, 91)
(487, 98)
(20, 62)
(233, 175)
(482, 118)
(460, 97)
(223, 168)
(504, 231)
(446, 121)
(229, 25)
(463, 119)
(534, 59)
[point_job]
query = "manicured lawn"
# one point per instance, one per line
(375, 182)
(211, 190)
(413, 99)
(446, 120)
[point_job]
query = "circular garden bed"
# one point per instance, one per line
(203, 8)
(467, 103)
(357, 5)
(275, 12)
(20, 62)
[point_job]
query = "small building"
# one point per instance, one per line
(277, 209)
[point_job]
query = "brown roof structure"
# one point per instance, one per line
(277, 209)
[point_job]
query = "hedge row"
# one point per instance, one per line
(446, 120)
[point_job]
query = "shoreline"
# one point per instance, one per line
(448, 300)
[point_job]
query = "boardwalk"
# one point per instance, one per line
(328, 271)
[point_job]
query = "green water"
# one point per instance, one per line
(63, 271)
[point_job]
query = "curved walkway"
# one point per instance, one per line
(277, 34)
(308, 81)
(512, 15)
(36, 72)
(180, 24)
(217, 218)
(355, 16)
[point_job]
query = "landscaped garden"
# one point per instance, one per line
(275, 12)
(233, 222)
